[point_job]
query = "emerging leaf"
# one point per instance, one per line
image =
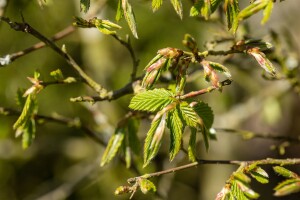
(28, 134)
(129, 16)
(262, 60)
(204, 112)
(156, 4)
(252, 9)
(113, 146)
(146, 186)
(189, 115)
(221, 68)
(151, 100)
(178, 7)
(260, 175)
(105, 26)
(84, 5)
(119, 13)
(267, 11)
(175, 125)
(27, 112)
(231, 8)
(287, 187)
(57, 74)
(285, 172)
(153, 139)
(134, 143)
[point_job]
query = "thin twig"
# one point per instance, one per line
(25, 27)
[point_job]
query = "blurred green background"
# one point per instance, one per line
(63, 163)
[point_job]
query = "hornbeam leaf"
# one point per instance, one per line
(27, 111)
(146, 186)
(267, 12)
(119, 13)
(151, 100)
(232, 9)
(214, 5)
(189, 115)
(156, 4)
(84, 5)
(196, 8)
(192, 145)
(252, 9)
(260, 175)
(205, 113)
(178, 7)
(175, 125)
(113, 146)
(206, 9)
(287, 187)
(129, 16)
(153, 139)
(262, 60)
(134, 143)
(220, 68)
(285, 172)
(29, 134)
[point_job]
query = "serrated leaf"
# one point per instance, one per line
(129, 16)
(205, 113)
(175, 125)
(242, 177)
(236, 191)
(156, 4)
(247, 191)
(151, 100)
(28, 134)
(84, 5)
(232, 10)
(153, 139)
(284, 172)
(189, 115)
(260, 175)
(177, 7)
(267, 12)
(119, 13)
(146, 186)
(134, 143)
(27, 112)
(113, 146)
(287, 187)
(192, 145)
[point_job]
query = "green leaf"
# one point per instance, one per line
(267, 11)
(178, 7)
(215, 4)
(105, 26)
(156, 4)
(119, 13)
(262, 60)
(20, 100)
(57, 74)
(260, 175)
(113, 146)
(84, 5)
(284, 172)
(196, 8)
(220, 68)
(232, 10)
(27, 112)
(151, 100)
(129, 16)
(205, 134)
(206, 9)
(236, 192)
(146, 186)
(287, 187)
(153, 139)
(189, 115)
(252, 9)
(242, 177)
(205, 113)
(134, 143)
(246, 190)
(28, 134)
(127, 157)
(192, 145)
(175, 125)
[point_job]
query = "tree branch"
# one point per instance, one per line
(25, 27)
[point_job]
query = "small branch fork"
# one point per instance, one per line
(268, 161)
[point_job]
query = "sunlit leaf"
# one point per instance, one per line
(153, 139)
(146, 186)
(178, 7)
(129, 16)
(252, 9)
(260, 175)
(284, 172)
(28, 134)
(113, 146)
(287, 187)
(27, 111)
(262, 60)
(57, 74)
(232, 10)
(175, 125)
(205, 113)
(189, 115)
(221, 68)
(156, 4)
(151, 100)
(267, 11)
(119, 13)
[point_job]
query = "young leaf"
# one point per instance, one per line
(27, 112)
(28, 134)
(215, 4)
(84, 5)
(220, 68)
(287, 187)
(236, 191)
(178, 7)
(189, 115)
(134, 143)
(252, 9)
(105, 26)
(260, 175)
(267, 11)
(129, 16)
(175, 125)
(119, 13)
(232, 9)
(156, 4)
(57, 74)
(206, 9)
(285, 172)
(262, 60)
(113, 146)
(205, 134)
(153, 139)
(205, 113)
(192, 145)
(196, 8)
(146, 186)
(151, 100)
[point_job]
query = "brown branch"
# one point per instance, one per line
(25, 27)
